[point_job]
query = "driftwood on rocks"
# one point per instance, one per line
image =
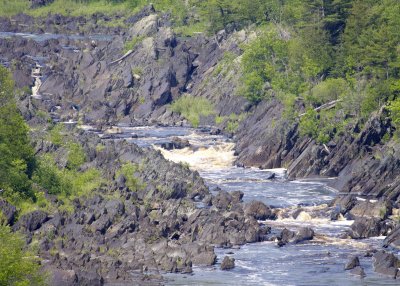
(325, 106)
(121, 58)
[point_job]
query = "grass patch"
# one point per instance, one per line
(191, 30)
(76, 8)
(130, 45)
(192, 108)
(71, 8)
(13, 7)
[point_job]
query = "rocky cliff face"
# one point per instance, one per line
(93, 79)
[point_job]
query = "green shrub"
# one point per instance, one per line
(128, 170)
(48, 176)
(328, 90)
(76, 156)
(394, 111)
(309, 124)
(18, 267)
(16, 153)
(65, 182)
(56, 135)
(192, 108)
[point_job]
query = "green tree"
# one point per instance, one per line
(18, 267)
(17, 160)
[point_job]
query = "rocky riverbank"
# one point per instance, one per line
(89, 77)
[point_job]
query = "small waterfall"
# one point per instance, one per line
(37, 75)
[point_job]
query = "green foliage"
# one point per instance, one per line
(76, 156)
(314, 52)
(309, 124)
(321, 126)
(284, 60)
(192, 108)
(48, 176)
(56, 135)
(65, 182)
(328, 90)
(16, 153)
(85, 8)
(18, 267)
(13, 7)
(394, 109)
(129, 170)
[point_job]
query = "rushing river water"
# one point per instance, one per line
(48, 36)
(318, 262)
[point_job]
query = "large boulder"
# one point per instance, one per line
(228, 263)
(371, 209)
(386, 263)
(393, 239)
(146, 11)
(288, 236)
(176, 143)
(365, 227)
(304, 234)
(353, 262)
(258, 210)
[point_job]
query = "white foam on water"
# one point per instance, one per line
(204, 158)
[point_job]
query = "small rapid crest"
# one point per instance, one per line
(206, 152)
(202, 158)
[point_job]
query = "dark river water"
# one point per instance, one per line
(319, 262)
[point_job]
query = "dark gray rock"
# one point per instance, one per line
(39, 3)
(304, 234)
(352, 263)
(8, 211)
(228, 263)
(287, 236)
(393, 239)
(223, 200)
(205, 258)
(146, 11)
(365, 227)
(177, 143)
(258, 210)
(31, 221)
(386, 263)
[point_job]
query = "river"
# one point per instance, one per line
(318, 262)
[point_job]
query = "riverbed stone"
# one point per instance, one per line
(352, 263)
(228, 263)
(358, 270)
(386, 263)
(258, 210)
